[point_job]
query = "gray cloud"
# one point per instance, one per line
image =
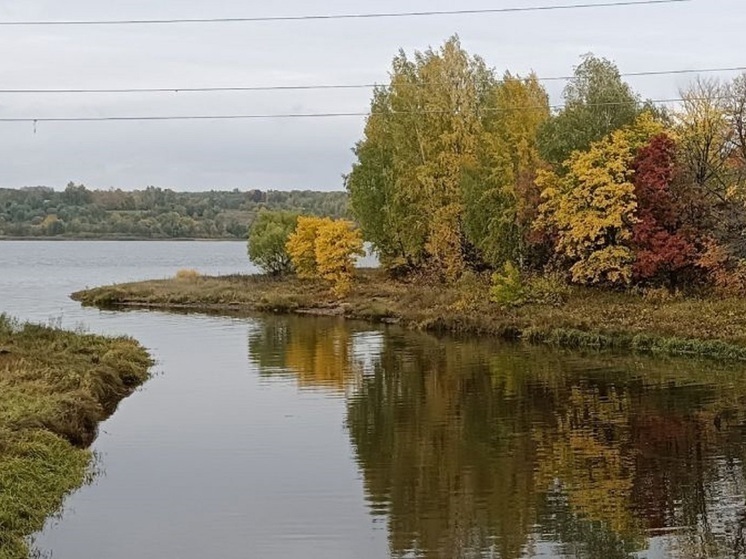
(294, 153)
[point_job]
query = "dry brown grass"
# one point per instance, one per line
(584, 317)
(187, 274)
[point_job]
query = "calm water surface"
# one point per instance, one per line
(308, 438)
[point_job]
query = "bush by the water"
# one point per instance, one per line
(326, 248)
(187, 274)
(268, 239)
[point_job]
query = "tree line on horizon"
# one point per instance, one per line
(151, 213)
(463, 170)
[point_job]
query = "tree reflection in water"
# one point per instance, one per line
(473, 448)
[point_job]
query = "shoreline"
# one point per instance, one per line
(125, 239)
(56, 387)
(585, 318)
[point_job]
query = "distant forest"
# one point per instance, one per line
(153, 213)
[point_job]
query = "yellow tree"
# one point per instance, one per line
(448, 135)
(338, 243)
(301, 245)
(592, 206)
(326, 248)
(424, 131)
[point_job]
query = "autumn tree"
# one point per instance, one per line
(268, 238)
(737, 114)
(663, 246)
(500, 197)
(326, 248)
(706, 137)
(386, 214)
(597, 102)
(592, 205)
(301, 245)
(338, 244)
(707, 128)
(423, 132)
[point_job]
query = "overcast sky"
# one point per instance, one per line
(298, 153)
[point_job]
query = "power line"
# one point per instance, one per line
(308, 87)
(258, 19)
(657, 73)
(328, 114)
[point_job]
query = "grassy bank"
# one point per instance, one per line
(571, 317)
(55, 387)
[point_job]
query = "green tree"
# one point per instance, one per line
(268, 238)
(597, 102)
(76, 195)
(500, 198)
(383, 212)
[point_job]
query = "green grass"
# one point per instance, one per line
(705, 326)
(55, 387)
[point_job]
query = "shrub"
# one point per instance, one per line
(268, 239)
(337, 245)
(326, 248)
(507, 286)
(186, 274)
(301, 245)
(470, 289)
(547, 289)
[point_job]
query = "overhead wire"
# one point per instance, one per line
(271, 116)
(627, 3)
(317, 17)
(311, 87)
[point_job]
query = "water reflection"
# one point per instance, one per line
(319, 354)
(476, 449)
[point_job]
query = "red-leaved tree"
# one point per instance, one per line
(663, 249)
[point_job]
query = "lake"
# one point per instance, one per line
(294, 437)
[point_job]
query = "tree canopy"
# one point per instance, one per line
(597, 102)
(461, 168)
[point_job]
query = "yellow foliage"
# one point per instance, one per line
(337, 245)
(707, 140)
(187, 274)
(596, 470)
(440, 141)
(301, 245)
(444, 242)
(593, 206)
(326, 248)
(321, 357)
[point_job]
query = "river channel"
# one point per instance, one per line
(289, 437)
